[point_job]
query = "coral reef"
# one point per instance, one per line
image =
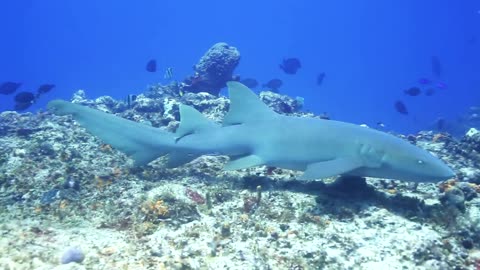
(214, 69)
(281, 103)
(60, 187)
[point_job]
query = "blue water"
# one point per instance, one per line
(370, 50)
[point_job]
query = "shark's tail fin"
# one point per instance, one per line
(141, 142)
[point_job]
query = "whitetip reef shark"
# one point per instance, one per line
(252, 135)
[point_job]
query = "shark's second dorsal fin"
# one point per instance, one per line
(191, 121)
(245, 106)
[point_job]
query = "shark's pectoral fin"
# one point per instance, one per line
(329, 168)
(243, 162)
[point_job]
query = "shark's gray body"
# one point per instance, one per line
(253, 135)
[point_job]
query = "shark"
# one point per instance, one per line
(252, 134)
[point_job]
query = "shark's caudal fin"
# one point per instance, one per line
(245, 106)
(141, 142)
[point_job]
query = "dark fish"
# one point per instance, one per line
(413, 91)
(24, 97)
(424, 81)
(320, 78)
(249, 82)
(290, 65)
(400, 107)
(436, 66)
(22, 106)
(430, 91)
(45, 88)
(8, 88)
(151, 65)
(273, 85)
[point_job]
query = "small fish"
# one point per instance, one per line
(249, 82)
(436, 66)
(380, 124)
(413, 91)
(273, 85)
(45, 88)
(290, 65)
(440, 123)
(320, 78)
(474, 109)
(8, 88)
(430, 92)
(400, 107)
(130, 100)
(441, 85)
(424, 81)
(472, 40)
(151, 66)
(168, 73)
(24, 97)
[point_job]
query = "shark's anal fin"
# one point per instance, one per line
(243, 162)
(329, 168)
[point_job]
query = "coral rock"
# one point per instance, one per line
(214, 69)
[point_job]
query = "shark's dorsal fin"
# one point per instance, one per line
(191, 121)
(245, 106)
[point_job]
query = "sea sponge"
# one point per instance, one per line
(72, 254)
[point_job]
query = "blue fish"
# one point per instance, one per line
(290, 65)
(151, 66)
(8, 88)
(400, 107)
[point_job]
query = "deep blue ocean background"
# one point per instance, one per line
(370, 50)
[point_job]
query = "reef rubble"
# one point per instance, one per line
(60, 187)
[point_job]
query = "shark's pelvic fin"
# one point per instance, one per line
(192, 121)
(178, 158)
(141, 142)
(243, 162)
(245, 106)
(329, 168)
